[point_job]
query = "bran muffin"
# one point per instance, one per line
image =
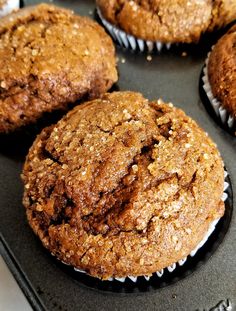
(222, 71)
(50, 57)
(123, 186)
(168, 21)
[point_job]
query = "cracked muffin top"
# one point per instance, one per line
(222, 71)
(50, 57)
(168, 20)
(123, 186)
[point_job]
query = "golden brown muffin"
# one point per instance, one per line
(168, 20)
(222, 71)
(123, 186)
(50, 57)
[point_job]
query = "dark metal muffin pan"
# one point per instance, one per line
(206, 282)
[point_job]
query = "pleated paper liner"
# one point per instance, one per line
(135, 44)
(9, 6)
(223, 117)
(173, 273)
(131, 42)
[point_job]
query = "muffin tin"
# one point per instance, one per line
(205, 282)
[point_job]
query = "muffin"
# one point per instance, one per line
(7, 6)
(50, 57)
(122, 186)
(221, 76)
(166, 21)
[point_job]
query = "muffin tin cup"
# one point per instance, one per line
(131, 42)
(224, 117)
(181, 262)
(9, 7)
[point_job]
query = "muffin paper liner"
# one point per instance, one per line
(9, 7)
(222, 114)
(129, 41)
(181, 262)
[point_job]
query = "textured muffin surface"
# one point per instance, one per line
(122, 186)
(50, 57)
(222, 71)
(168, 20)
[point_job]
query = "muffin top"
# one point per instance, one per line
(48, 58)
(222, 71)
(168, 20)
(123, 186)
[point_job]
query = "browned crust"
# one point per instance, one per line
(222, 71)
(122, 186)
(168, 20)
(48, 58)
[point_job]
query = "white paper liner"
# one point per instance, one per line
(129, 41)
(181, 262)
(9, 7)
(225, 117)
